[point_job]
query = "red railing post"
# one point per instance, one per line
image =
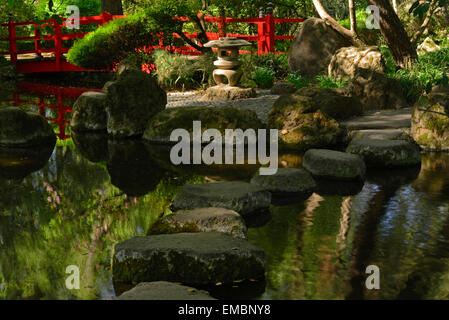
(106, 17)
(58, 44)
(12, 40)
(37, 41)
(269, 38)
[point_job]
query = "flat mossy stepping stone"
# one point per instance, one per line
(202, 220)
(332, 164)
(386, 153)
(163, 290)
(244, 198)
(191, 258)
(286, 182)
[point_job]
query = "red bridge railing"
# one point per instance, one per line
(40, 91)
(265, 39)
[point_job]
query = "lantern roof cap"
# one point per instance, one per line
(227, 42)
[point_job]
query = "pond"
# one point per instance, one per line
(70, 205)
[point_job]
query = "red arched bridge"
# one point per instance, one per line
(39, 59)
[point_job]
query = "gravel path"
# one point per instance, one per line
(260, 105)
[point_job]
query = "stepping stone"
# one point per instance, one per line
(386, 119)
(162, 290)
(192, 258)
(385, 153)
(287, 182)
(332, 164)
(244, 198)
(381, 134)
(202, 220)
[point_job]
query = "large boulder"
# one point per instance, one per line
(163, 290)
(132, 101)
(287, 182)
(375, 91)
(347, 60)
(335, 103)
(302, 131)
(24, 129)
(430, 121)
(385, 153)
(192, 258)
(89, 112)
(313, 47)
(330, 164)
(202, 220)
(162, 125)
(242, 197)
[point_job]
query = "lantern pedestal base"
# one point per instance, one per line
(228, 93)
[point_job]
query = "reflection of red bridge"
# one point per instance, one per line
(54, 61)
(44, 90)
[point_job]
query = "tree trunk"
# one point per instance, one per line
(112, 6)
(352, 17)
(335, 25)
(403, 51)
(395, 5)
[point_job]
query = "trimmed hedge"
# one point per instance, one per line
(113, 42)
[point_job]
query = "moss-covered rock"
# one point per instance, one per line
(89, 112)
(201, 220)
(386, 153)
(376, 91)
(131, 102)
(430, 121)
(24, 129)
(302, 131)
(162, 125)
(335, 103)
(347, 60)
(191, 258)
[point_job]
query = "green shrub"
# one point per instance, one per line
(328, 82)
(113, 42)
(263, 77)
(176, 71)
(275, 62)
(298, 80)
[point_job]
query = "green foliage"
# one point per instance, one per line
(328, 82)
(252, 64)
(430, 70)
(113, 42)
(298, 80)
(361, 17)
(175, 71)
(263, 77)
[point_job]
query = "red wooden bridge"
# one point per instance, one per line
(53, 59)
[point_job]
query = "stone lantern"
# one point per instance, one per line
(228, 63)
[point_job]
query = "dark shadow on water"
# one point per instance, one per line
(338, 187)
(92, 145)
(394, 176)
(132, 167)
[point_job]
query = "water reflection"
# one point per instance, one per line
(70, 205)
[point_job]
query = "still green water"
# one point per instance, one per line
(70, 205)
(72, 211)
